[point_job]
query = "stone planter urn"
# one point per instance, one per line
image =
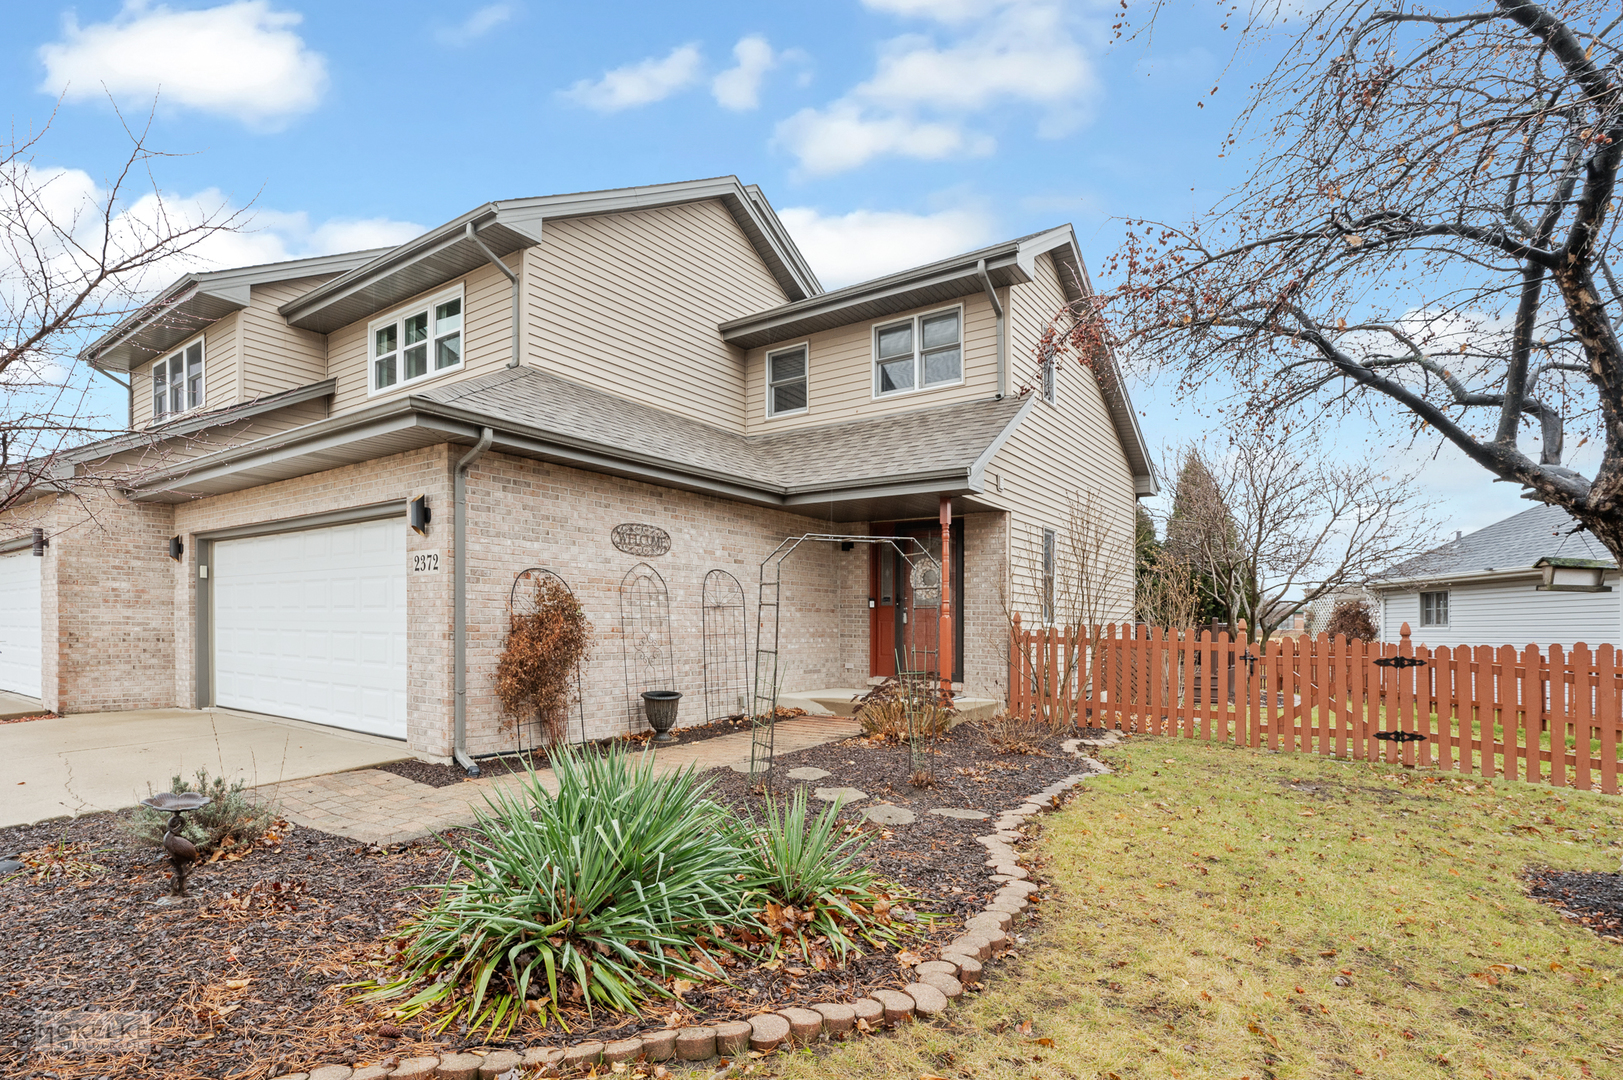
(660, 707)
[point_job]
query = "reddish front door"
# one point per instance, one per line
(904, 617)
(884, 612)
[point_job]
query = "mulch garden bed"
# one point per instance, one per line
(425, 772)
(246, 980)
(1592, 898)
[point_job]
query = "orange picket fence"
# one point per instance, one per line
(1549, 715)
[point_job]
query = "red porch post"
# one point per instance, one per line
(945, 651)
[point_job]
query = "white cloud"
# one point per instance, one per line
(739, 88)
(642, 83)
(241, 60)
(844, 136)
(847, 248)
(923, 95)
(476, 25)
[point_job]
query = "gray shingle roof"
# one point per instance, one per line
(1513, 544)
(943, 439)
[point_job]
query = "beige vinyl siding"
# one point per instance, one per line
(165, 453)
(276, 356)
(630, 303)
(219, 370)
(487, 339)
(841, 376)
(1058, 455)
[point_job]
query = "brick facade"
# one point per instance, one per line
(120, 615)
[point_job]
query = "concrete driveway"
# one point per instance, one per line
(109, 761)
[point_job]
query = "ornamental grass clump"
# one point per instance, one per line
(596, 895)
(234, 818)
(809, 885)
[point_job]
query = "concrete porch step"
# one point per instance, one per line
(842, 701)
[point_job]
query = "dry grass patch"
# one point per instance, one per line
(1236, 914)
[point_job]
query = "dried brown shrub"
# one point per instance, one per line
(1353, 620)
(535, 677)
(1011, 733)
(888, 719)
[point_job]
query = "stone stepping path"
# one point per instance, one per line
(836, 794)
(960, 815)
(808, 772)
(886, 814)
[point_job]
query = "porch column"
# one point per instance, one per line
(945, 650)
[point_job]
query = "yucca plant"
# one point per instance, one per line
(808, 883)
(610, 884)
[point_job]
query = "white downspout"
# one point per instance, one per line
(459, 602)
(517, 357)
(1002, 347)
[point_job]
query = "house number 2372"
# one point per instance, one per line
(426, 563)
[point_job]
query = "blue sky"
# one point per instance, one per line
(886, 132)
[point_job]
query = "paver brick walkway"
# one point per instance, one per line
(378, 807)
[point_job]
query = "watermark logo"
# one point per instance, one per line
(80, 1031)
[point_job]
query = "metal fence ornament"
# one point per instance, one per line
(1399, 662)
(1400, 736)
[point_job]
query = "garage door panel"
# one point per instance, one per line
(312, 625)
(20, 624)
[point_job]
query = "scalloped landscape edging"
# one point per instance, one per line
(936, 983)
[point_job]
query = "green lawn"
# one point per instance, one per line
(1208, 899)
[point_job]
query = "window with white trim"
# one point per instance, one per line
(1434, 609)
(1050, 542)
(177, 381)
(417, 343)
(786, 381)
(919, 353)
(1050, 379)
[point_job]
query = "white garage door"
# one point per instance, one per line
(312, 625)
(19, 623)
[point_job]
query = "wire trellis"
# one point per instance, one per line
(645, 638)
(726, 646)
(522, 602)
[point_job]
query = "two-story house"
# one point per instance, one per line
(537, 373)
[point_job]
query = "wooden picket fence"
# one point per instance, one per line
(1541, 715)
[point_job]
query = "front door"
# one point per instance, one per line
(905, 617)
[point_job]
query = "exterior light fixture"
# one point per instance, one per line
(418, 515)
(847, 545)
(39, 542)
(176, 548)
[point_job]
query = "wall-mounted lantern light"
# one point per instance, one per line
(39, 542)
(176, 548)
(418, 515)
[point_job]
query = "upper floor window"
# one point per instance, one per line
(417, 343)
(177, 381)
(919, 353)
(1434, 609)
(786, 381)
(1050, 379)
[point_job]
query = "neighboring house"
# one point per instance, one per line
(659, 357)
(1531, 579)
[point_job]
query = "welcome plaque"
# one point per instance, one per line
(636, 538)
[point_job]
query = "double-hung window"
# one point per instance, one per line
(417, 343)
(1434, 609)
(1049, 573)
(177, 381)
(919, 353)
(786, 381)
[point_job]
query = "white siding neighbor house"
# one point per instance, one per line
(1535, 578)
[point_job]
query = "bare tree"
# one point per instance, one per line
(1429, 231)
(75, 259)
(1270, 524)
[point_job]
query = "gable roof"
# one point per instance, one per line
(457, 247)
(1509, 547)
(1012, 262)
(195, 300)
(925, 452)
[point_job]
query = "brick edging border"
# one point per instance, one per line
(937, 982)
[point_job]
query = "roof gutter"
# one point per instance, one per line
(1002, 342)
(459, 602)
(472, 233)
